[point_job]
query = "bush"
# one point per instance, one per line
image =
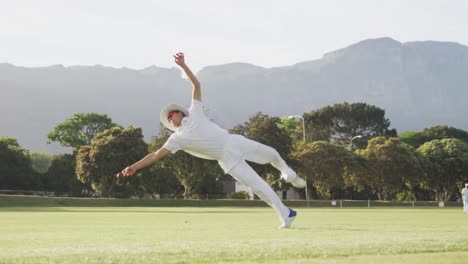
(405, 196)
(242, 195)
(198, 196)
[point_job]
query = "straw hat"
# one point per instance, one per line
(166, 110)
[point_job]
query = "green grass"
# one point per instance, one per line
(54, 234)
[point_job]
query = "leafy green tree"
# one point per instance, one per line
(357, 172)
(421, 191)
(411, 138)
(396, 166)
(12, 143)
(41, 161)
(341, 122)
(16, 170)
(416, 139)
(197, 176)
(159, 179)
(328, 167)
(61, 178)
(289, 124)
(109, 152)
(292, 127)
(80, 129)
(85, 168)
(319, 124)
(359, 119)
(449, 166)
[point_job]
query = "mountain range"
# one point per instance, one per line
(419, 84)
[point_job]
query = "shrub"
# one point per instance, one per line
(242, 195)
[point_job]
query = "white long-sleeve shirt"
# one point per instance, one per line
(465, 194)
(200, 137)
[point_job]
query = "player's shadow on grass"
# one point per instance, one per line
(300, 228)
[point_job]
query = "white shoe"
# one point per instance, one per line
(288, 221)
(295, 180)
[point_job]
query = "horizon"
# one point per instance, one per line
(176, 67)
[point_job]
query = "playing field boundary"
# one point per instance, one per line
(44, 201)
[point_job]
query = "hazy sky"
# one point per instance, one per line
(268, 33)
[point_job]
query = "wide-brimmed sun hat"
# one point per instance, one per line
(166, 110)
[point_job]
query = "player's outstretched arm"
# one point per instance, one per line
(146, 161)
(180, 60)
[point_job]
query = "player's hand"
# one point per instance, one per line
(129, 171)
(179, 59)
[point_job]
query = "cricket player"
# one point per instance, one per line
(195, 134)
(464, 193)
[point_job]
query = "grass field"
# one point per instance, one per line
(54, 234)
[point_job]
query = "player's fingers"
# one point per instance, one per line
(120, 175)
(128, 171)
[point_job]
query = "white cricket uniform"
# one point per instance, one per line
(465, 199)
(200, 137)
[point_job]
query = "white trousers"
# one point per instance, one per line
(465, 206)
(243, 173)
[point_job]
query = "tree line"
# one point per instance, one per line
(345, 151)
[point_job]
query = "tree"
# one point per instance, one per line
(324, 164)
(12, 143)
(160, 179)
(16, 170)
(357, 172)
(416, 139)
(341, 122)
(109, 152)
(292, 127)
(449, 166)
(359, 119)
(196, 175)
(396, 166)
(41, 161)
(157, 180)
(319, 124)
(411, 138)
(61, 178)
(80, 129)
